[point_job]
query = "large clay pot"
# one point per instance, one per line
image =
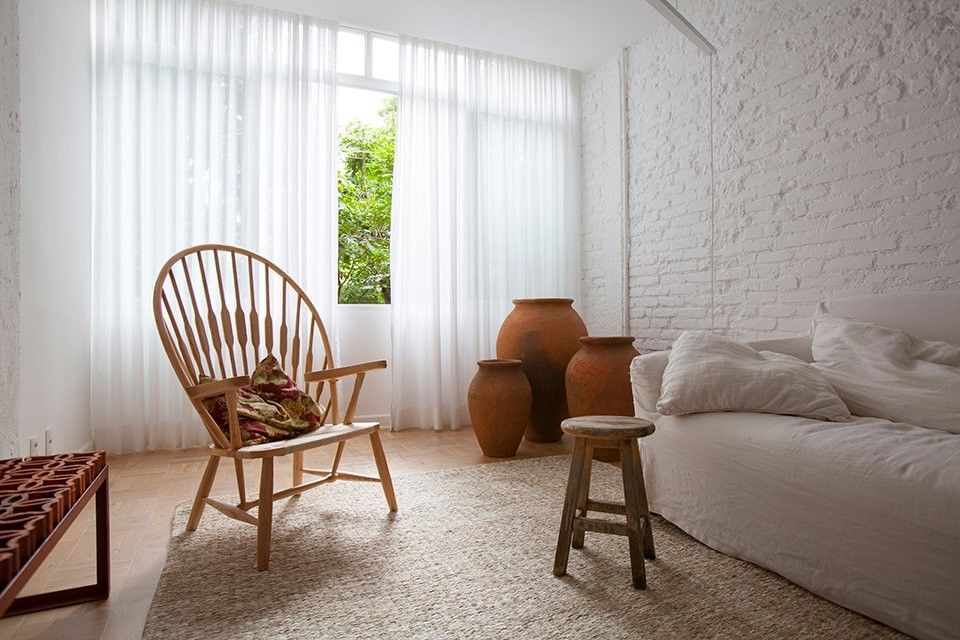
(543, 333)
(499, 401)
(598, 382)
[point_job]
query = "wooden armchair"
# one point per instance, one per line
(220, 310)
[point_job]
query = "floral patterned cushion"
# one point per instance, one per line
(270, 408)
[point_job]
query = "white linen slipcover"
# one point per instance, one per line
(864, 513)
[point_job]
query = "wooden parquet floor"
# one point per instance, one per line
(144, 490)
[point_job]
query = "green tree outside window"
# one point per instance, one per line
(365, 186)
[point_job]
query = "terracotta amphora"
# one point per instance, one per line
(598, 382)
(543, 334)
(499, 400)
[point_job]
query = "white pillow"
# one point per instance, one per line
(887, 373)
(646, 375)
(707, 372)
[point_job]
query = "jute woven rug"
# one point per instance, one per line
(469, 555)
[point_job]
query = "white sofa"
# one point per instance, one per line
(865, 513)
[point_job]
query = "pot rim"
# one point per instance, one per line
(607, 340)
(543, 300)
(499, 362)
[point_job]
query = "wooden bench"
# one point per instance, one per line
(40, 498)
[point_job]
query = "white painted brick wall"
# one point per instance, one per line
(600, 260)
(9, 226)
(837, 162)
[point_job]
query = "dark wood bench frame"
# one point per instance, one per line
(11, 605)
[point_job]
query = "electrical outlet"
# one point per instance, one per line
(48, 441)
(34, 446)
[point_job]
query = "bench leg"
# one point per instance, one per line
(569, 507)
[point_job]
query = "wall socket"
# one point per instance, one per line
(48, 441)
(34, 446)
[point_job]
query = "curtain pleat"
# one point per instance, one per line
(214, 122)
(485, 209)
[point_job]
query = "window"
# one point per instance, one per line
(368, 70)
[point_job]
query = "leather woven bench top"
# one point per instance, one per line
(35, 495)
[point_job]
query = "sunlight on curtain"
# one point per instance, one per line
(214, 122)
(485, 209)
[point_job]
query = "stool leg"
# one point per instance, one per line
(569, 508)
(648, 551)
(583, 495)
(635, 521)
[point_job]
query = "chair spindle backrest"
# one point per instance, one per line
(221, 309)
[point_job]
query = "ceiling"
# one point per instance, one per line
(580, 34)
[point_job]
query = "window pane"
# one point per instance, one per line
(351, 52)
(386, 59)
(367, 126)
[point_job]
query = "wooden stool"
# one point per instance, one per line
(606, 431)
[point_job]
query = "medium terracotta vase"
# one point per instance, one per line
(543, 333)
(598, 382)
(499, 400)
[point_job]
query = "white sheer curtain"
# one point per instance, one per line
(485, 209)
(214, 122)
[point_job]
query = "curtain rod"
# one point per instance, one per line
(675, 18)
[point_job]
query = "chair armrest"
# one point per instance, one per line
(342, 372)
(646, 375)
(228, 389)
(217, 387)
(333, 375)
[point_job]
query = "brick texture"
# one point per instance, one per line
(601, 304)
(9, 226)
(836, 127)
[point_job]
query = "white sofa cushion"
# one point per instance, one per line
(888, 373)
(707, 372)
(931, 315)
(646, 376)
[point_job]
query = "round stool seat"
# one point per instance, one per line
(607, 427)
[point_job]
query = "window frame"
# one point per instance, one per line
(367, 81)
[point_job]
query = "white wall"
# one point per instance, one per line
(600, 245)
(55, 71)
(837, 164)
(9, 226)
(364, 334)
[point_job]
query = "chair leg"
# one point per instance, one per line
(206, 482)
(241, 483)
(265, 515)
(635, 521)
(338, 456)
(569, 507)
(382, 469)
(297, 469)
(583, 495)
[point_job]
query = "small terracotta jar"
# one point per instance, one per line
(499, 401)
(543, 333)
(598, 382)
